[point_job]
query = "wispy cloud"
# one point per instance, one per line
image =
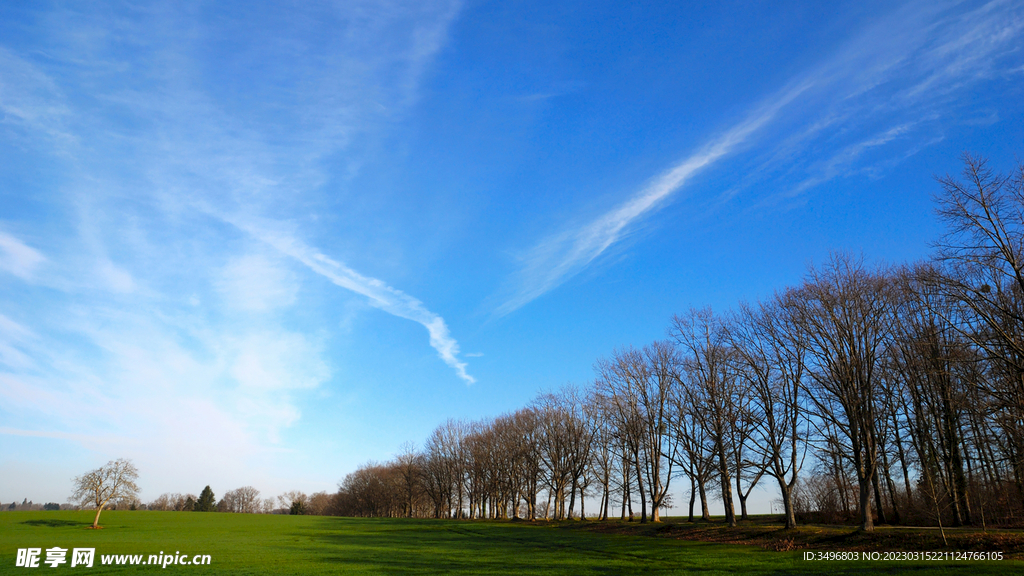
(166, 328)
(915, 61)
(379, 294)
(900, 80)
(840, 162)
(386, 84)
(12, 335)
(225, 161)
(18, 258)
(562, 256)
(81, 438)
(31, 101)
(255, 283)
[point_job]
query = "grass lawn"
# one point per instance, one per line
(271, 544)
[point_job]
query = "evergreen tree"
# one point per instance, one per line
(206, 502)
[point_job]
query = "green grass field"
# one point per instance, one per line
(270, 544)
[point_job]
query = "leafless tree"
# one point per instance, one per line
(244, 500)
(527, 428)
(694, 455)
(410, 468)
(319, 504)
(163, 502)
(446, 468)
(606, 457)
(710, 385)
(638, 385)
(294, 501)
(772, 352)
(560, 440)
(931, 396)
(115, 480)
(846, 313)
(982, 255)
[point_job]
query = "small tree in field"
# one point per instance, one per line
(115, 481)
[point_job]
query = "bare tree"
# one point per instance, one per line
(606, 458)
(983, 270)
(319, 504)
(244, 500)
(558, 446)
(294, 501)
(446, 468)
(846, 313)
(114, 481)
(162, 502)
(527, 428)
(410, 467)
(694, 455)
(710, 385)
(772, 351)
(639, 385)
(185, 502)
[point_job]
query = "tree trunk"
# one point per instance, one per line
(723, 471)
(572, 499)
(583, 514)
(607, 497)
(693, 493)
(878, 500)
(705, 513)
(787, 503)
(640, 489)
(867, 522)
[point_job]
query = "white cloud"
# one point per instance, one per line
(31, 100)
(267, 362)
(562, 256)
(380, 295)
(114, 277)
(147, 395)
(886, 80)
(12, 334)
(189, 394)
(17, 258)
(254, 283)
(267, 366)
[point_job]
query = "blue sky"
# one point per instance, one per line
(262, 244)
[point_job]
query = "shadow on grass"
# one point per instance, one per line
(396, 546)
(457, 547)
(53, 523)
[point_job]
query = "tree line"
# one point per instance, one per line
(889, 394)
(245, 500)
(113, 486)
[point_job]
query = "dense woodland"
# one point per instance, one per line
(867, 394)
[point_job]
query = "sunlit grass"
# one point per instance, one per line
(273, 544)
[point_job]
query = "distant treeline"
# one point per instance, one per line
(245, 500)
(27, 505)
(890, 394)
